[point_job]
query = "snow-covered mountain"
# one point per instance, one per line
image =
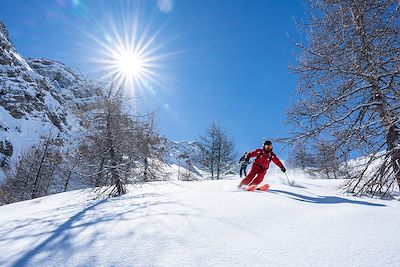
(184, 154)
(37, 96)
(24, 93)
(72, 87)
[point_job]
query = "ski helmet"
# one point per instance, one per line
(267, 142)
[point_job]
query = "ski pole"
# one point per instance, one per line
(287, 178)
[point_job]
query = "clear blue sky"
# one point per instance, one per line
(227, 59)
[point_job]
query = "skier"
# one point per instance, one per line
(245, 161)
(260, 166)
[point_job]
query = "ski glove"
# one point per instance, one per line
(283, 169)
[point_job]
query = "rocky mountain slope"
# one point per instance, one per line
(37, 97)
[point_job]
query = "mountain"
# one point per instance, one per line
(37, 97)
(24, 93)
(206, 223)
(185, 154)
(75, 90)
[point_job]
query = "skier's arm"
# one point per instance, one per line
(252, 154)
(277, 162)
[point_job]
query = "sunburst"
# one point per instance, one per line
(131, 64)
(129, 47)
(132, 56)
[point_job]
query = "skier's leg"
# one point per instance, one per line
(259, 178)
(254, 170)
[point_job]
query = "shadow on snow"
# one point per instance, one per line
(324, 199)
(59, 236)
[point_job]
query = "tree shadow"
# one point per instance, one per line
(324, 199)
(59, 236)
(56, 234)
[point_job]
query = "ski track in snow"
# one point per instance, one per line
(207, 223)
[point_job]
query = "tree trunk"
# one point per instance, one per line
(114, 175)
(67, 181)
(146, 166)
(393, 146)
(37, 176)
(388, 118)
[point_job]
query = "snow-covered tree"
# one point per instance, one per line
(117, 145)
(105, 150)
(217, 151)
(300, 158)
(68, 171)
(349, 88)
(151, 150)
(35, 174)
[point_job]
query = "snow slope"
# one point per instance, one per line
(207, 223)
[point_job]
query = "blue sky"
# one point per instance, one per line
(218, 60)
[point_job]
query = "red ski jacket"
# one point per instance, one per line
(264, 158)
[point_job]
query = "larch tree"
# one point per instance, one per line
(217, 151)
(35, 173)
(348, 95)
(106, 151)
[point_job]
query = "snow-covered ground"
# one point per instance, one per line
(205, 223)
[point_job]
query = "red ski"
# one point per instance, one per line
(254, 188)
(264, 187)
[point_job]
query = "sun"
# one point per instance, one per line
(131, 52)
(129, 63)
